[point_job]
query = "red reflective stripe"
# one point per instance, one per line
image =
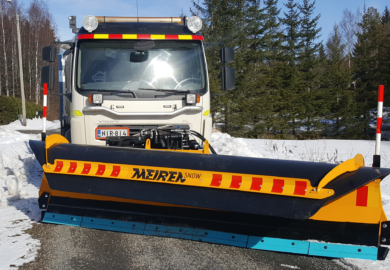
(115, 36)
(300, 188)
(236, 181)
(73, 167)
(142, 36)
(101, 169)
(256, 183)
(171, 36)
(381, 93)
(45, 89)
(217, 179)
(86, 36)
(197, 38)
(59, 166)
(44, 113)
(362, 196)
(378, 125)
(87, 168)
(277, 186)
(115, 171)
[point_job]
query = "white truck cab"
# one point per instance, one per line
(126, 82)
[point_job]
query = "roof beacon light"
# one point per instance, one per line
(194, 24)
(90, 23)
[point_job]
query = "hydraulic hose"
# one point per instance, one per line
(203, 139)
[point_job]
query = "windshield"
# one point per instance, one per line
(135, 65)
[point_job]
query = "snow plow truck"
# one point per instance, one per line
(134, 154)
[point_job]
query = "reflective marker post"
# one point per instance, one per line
(44, 111)
(377, 157)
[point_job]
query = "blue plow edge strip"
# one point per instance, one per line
(239, 240)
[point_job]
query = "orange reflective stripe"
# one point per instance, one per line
(115, 171)
(300, 188)
(362, 196)
(73, 167)
(236, 181)
(256, 183)
(86, 169)
(59, 166)
(101, 169)
(217, 179)
(278, 186)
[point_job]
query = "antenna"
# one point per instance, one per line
(137, 9)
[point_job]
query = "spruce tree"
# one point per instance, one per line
(336, 80)
(291, 75)
(312, 101)
(366, 55)
(385, 46)
(222, 23)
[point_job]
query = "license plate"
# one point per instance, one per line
(104, 132)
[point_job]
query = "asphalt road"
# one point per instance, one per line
(67, 247)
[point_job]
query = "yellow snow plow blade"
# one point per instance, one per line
(258, 198)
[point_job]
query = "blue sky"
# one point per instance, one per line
(331, 10)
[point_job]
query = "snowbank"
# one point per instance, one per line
(33, 124)
(20, 178)
(224, 144)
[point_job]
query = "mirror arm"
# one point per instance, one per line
(68, 95)
(71, 43)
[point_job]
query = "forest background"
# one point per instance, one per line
(290, 82)
(37, 29)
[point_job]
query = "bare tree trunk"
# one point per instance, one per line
(36, 66)
(30, 84)
(13, 71)
(5, 54)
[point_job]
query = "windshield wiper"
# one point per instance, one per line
(166, 90)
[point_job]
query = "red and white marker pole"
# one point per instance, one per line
(44, 111)
(377, 157)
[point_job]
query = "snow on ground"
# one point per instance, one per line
(20, 178)
(21, 174)
(33, 124)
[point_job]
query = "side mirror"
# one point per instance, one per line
(48, 76)
(49, 54)
(228, 78)
(227, 55)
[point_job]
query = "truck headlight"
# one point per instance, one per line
(96, 99)
(90, 23)
(192, 99)
(194, 24)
